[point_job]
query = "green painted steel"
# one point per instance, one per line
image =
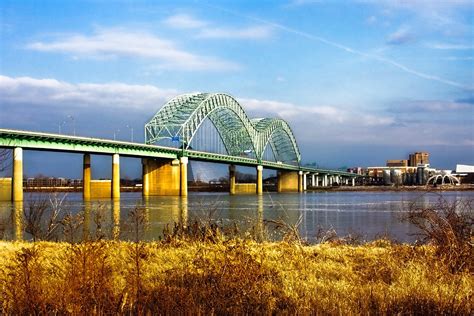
(64, 143)
(181, 117)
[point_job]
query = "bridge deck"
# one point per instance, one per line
(65, 143)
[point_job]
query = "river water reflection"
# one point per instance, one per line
(368, 214)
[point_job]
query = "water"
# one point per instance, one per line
(366, 214)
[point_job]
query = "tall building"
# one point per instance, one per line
(419, 158)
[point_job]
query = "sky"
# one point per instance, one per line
(359, 82)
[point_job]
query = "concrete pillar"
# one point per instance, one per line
(183, 163)
(145, 178)
(115, 176)
(313, 180)
(305, 183)
(316, 181)
(353, 181)
(17, 183)
(232, 179)
(259, 180)
(287, 181)
(17, 218)
(300, 181)
(116, 219)
(86, 177)
(325, 180)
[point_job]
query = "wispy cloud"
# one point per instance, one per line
(117, 42)
(449, 46)
(252, 32)
(430, 106)
(102, 107)
(401, 36)
(184, 21)
(53, 93)
(350, 50)
(207, 30)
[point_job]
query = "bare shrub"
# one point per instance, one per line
(448, 226)
(88, 283)
(43, 217)
(24, 289)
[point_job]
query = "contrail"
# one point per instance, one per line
(346, 48)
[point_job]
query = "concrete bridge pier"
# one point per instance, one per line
(232, 179)
(300, 181)
(353, 182)
(183, 179)
(287, 181)
(325, 180)
(145, 178)
(115, 176)
(17, 183)
(86, 177)
(259, 180)
(305, 181)
(164, 177)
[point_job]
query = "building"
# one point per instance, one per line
(397, 163)
(419, 158)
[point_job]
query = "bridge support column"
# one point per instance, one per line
(313, 180)
(259, 180)
(115, 176)
(17, 179)
(325, 180)
(183, 163)
(145, 178)
(305, 181)
(353, 182)
(287, 181)
(232, 179)
(316, 181)
(86, 177)
(300, 181)
(161, 177)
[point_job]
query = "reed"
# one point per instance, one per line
(229, 276)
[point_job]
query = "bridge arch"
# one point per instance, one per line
(181, 117)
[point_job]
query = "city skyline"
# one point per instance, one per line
(360, 82)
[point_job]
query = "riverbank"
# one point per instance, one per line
(229, 277)
(407, 188)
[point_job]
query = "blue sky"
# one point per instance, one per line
(359, 81)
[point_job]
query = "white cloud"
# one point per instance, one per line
(107, 43)
(184, 21)
(54, 93)
(206, 30)
(449, 46)
(26, 100)
(401, 36)
(252, 32)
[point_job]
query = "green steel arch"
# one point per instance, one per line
(182, 116)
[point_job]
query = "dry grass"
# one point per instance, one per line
(229, 276)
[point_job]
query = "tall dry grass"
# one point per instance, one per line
(229, 276)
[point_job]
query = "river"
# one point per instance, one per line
(367, 215)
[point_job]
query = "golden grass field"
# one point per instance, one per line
(229, 276)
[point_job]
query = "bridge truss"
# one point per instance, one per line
(180, 119)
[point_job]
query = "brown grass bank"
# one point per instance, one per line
(233, 276)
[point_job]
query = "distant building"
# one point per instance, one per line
(397, 163)
(465, 173)
(419, 158)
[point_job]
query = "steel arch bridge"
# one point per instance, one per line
(181, 117)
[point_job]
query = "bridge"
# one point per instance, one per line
(200, 126)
